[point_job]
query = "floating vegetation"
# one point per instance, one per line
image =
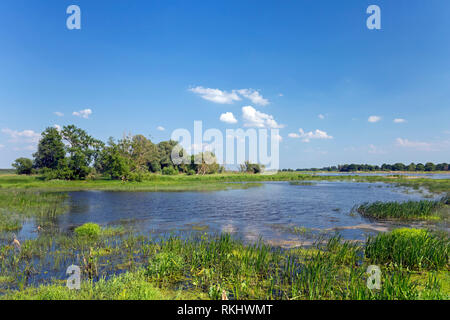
(302, 183)
(410, 210)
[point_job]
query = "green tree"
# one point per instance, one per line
(83, 150)
(50, 150)
(429, 166)
(420, 167)
(112, 162)
(412, 167)
(23, 166)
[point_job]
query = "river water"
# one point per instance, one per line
(276, 211)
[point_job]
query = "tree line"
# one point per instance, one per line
(429, 166)
(72, 154)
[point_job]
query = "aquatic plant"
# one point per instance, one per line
(88, 230)
(415, 249)
(410, 210)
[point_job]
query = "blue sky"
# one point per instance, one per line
(139, 65)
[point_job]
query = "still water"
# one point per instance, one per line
(270, 211)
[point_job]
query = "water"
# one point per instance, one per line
(368, 174)
(269, 211)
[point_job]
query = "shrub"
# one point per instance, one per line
(23, 166)
(88, 230)
(170, 171)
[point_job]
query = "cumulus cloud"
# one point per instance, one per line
(254, 118)
(216, 95)
(399, 120)
(228, 117)
(307, 136)
(28, 136)
(254, 96)
(374, 119)
(160, 128)
(321, 116)
(59, 114)
(83, 113)
(225, 97)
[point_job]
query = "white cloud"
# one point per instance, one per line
(57, 127)
(160, 128)
(375, 150)
(374, 119)
(216, 95)
(307, 136)
(28, 136)
(59, 114)
(321, 116)
(225, 97)
(399, 120)
(254, 96)
(254, 118)
(414, 144)
(83, 113)
(228, 117)
(1, 146)
(279, 138)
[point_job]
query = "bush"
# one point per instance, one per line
(23, 166)
(169, 171)
(190, 172)
(88, 230)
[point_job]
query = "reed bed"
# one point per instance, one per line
(410, 210)
(415, 249)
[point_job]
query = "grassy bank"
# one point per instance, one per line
(203, 267)
(207, 182)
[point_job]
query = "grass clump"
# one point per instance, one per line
(410, 210)
(414, 249)
(88, 230)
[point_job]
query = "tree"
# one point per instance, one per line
(398, 167)
(429, 166)
(50, 150)
(412, 167)
(420, 167)
(112, 162)
(251, 167)
(83, 150)
(23, 166)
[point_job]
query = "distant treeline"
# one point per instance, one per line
(429, 166)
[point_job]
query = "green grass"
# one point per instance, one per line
(202, 267)
(410, 210)
(17, 205)
(207, 182)
(128, 286)
(415, 249)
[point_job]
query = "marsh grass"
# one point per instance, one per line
(415, 249)
(202, 265)
(18, 205)
(410, 210)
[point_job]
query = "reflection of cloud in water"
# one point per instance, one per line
(228, 228)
